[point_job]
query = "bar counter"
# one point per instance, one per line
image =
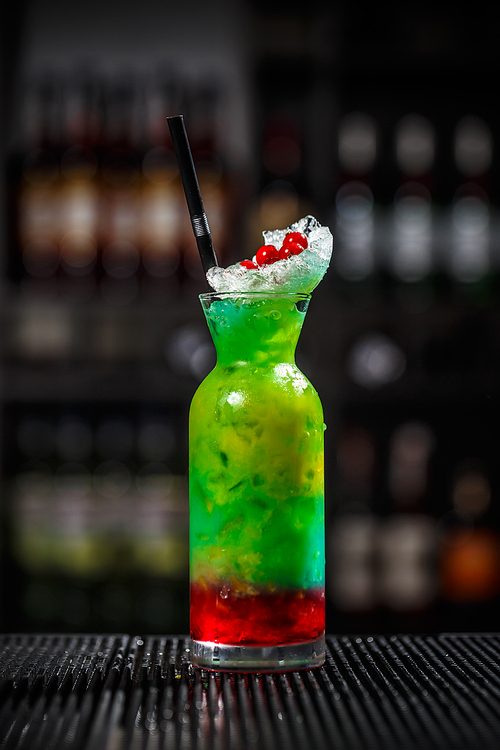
(100, 692)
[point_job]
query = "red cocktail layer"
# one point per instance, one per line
(262, 619)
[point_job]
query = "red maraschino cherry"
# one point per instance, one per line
(291, 248)
(248, 264)
(285, 252)
(298, 238)
(266, 255)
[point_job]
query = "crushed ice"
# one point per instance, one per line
(297, 273)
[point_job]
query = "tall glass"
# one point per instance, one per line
(256, 476)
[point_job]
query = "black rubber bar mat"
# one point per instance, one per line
(116, 692)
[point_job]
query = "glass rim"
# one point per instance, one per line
(213, 296)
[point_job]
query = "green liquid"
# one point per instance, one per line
(256, 452)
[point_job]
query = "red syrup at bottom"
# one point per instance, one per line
(263, 619)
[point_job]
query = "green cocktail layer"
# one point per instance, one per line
(256, 452)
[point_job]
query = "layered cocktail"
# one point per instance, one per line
(256, 487)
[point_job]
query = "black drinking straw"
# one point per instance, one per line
(199, 220)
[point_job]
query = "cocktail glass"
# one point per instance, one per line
(256, 474)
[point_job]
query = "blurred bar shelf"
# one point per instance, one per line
(83, 382)
(101, 691)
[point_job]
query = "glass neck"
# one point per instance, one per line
(261, 329)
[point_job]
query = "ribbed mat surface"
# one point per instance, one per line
(116, 692)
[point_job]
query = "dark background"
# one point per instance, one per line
(291, 108)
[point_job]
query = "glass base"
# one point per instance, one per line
(221, 657)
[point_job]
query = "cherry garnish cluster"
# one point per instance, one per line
(293, 244)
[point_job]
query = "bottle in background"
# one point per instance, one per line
(469, 250)
(35, 167)
(411, 254)
(121, 189)
(354, 215)
(162, 200)
(469, 554)
(80, 188)
(353, 529)
(407, 540)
